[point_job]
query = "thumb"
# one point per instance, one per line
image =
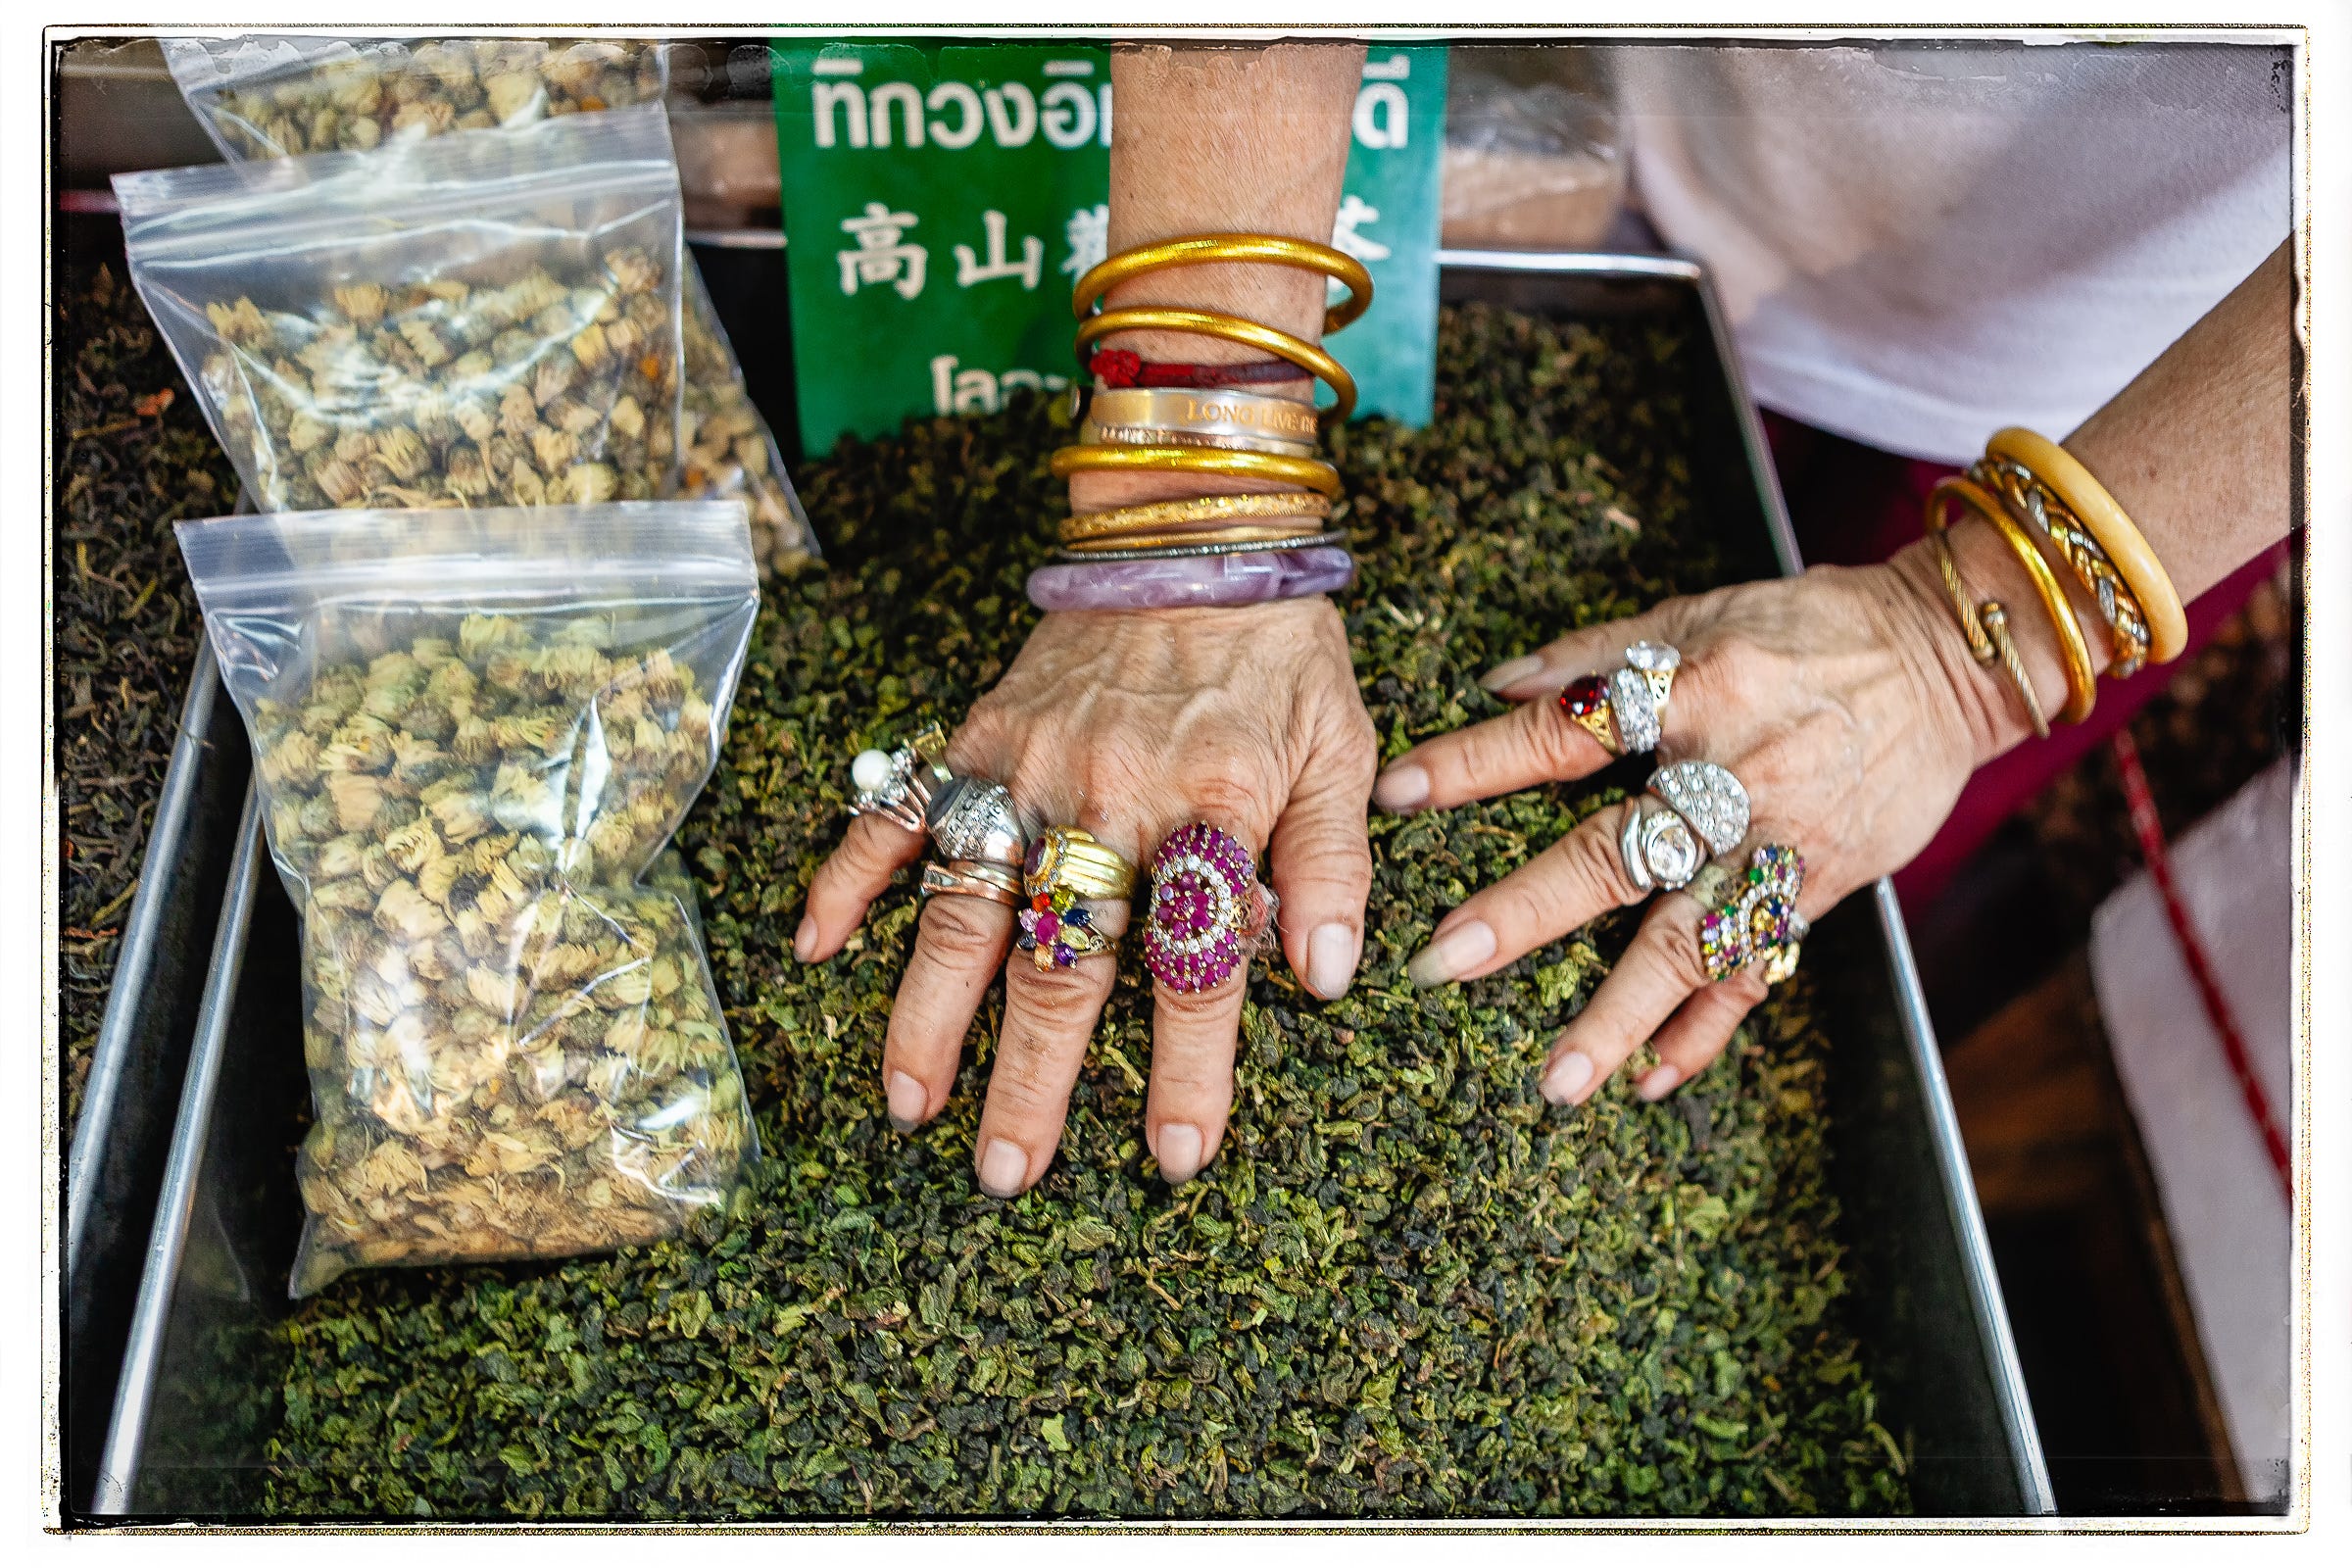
(1321, 866)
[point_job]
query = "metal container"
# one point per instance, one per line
(198, 1387)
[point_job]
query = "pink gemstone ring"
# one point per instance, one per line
(1207, 914)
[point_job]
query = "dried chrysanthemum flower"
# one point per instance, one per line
(503, 998)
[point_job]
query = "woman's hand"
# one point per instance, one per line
(1843, 700)
(1129, 726)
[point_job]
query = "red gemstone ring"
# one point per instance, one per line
(1207, 914)
(1620, 709)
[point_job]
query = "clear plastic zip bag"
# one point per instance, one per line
(473, 734)
(286, 96)
(483, 319)
(266, 97)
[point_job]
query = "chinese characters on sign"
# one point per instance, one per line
(999, 156)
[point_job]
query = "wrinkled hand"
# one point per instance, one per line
(1129, 726)
(1845, 702)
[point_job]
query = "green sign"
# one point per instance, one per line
(941, 201)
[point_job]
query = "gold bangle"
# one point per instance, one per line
(1201, 249)
(1313, 472)
(2105, 521)
(2059, 528)
(1231, 329)
(1988, 639)
(1237, 533)
(2081, 681)
(1198, 509)
(1092, 434)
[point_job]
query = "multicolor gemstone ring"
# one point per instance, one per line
(1753, 915)
(1620, 709)
(1065, 867)
(1207, 914)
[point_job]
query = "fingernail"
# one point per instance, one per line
(804, 941)
(1179, 1153)
(1454, 952)
(1330, 960)
(1003, 1168)
(1658, 1082)
(1568, 1077)
(906, 1102)
(1402, 789)
(1508, 674)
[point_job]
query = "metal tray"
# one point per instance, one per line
(198, 1384)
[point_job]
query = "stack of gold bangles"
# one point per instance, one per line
(1219, 549)
(2043, 502)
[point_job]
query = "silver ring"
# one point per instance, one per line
(1659, 847)
(1710, 797)
(899, 784)
(976, 819)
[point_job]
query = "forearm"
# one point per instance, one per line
(1215, 140)
(2199, 451)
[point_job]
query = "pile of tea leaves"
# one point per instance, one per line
(1406, 1287)
(134, 456)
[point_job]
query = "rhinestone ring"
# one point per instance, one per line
(1620, 709)
(1207, 914)
(1693, 809)
(1751, 913)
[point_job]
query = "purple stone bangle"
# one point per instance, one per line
(1208, 913)
(1172, 584)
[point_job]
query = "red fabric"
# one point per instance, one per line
(1853, 505)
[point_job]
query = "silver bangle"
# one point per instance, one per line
(1311, 541)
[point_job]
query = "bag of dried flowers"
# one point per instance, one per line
(485, 319)
(474, 733)
(277, 97)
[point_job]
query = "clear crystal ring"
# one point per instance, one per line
(1207, 914)
(1620, 709)
(1692, 810)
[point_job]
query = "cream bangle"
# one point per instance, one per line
(2105, 520)
(1252, 414)
(1198, 509)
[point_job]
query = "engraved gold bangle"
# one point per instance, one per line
(1200, 250)
(2105, 521)
(1988, 639)
(2081, 683)
(1093, 434)
(1258, 416)
(1231, 329)
(2035, 502)
(1112, 521)
(1239, 533)
(1313, 472)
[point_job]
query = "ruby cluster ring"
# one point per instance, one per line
(1207, 914)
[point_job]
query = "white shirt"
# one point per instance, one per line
(1919, 243)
